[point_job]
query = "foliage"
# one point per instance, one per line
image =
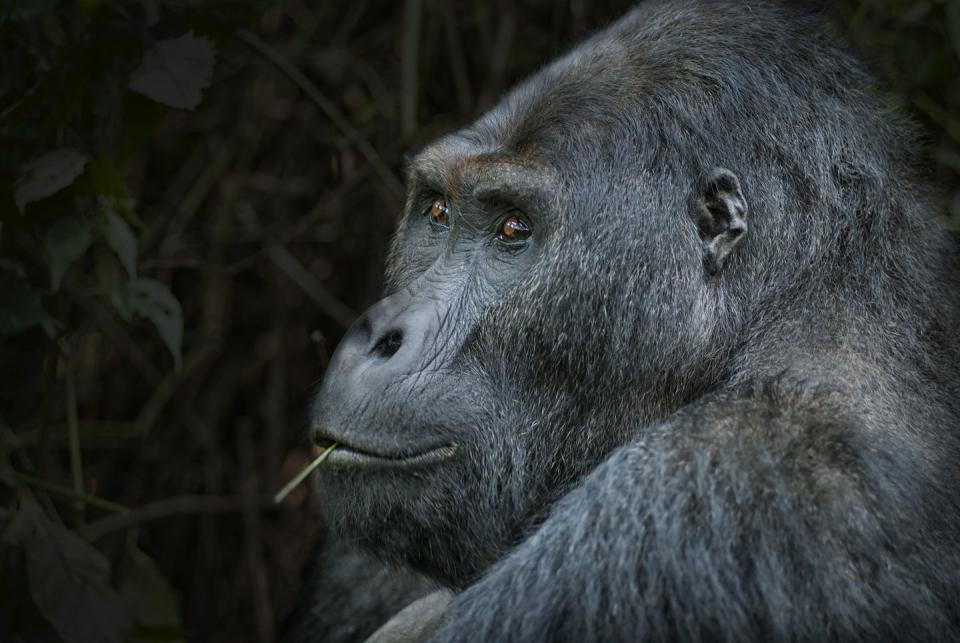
(917, 47)
(83, 86)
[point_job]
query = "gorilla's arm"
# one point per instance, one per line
(744, 519)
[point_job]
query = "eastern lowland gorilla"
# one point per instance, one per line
(669, 351)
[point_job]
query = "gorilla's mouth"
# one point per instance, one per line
(349, 455)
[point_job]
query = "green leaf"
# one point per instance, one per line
(69, 580)
(175, 71)
(48, 175)
(9, 442)
(66, 240)
(20, 305)
(151, 299)
(149, 596)
(122, 240)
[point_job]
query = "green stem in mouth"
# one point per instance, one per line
(307, 470)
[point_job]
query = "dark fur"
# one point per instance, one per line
(651, 447)
(347, 594)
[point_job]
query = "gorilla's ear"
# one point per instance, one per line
(720, 214)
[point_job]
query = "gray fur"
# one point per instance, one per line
(648, 448)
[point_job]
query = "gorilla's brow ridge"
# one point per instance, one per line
(491, 176)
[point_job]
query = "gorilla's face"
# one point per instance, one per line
(540, 253)
(425, 395)
(401, 393)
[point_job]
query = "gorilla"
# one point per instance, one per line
(668, 351)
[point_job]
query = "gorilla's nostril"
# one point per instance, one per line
(388, 345)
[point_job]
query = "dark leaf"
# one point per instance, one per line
(66, 240)
(175, 71)
(152, 300)
(149, 595)
(48, 175)
(69, 580)
(121, 239)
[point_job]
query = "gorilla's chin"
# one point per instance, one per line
(415, 514)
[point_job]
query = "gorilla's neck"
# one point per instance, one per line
(880, 358)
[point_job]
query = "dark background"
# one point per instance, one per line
(266, 212)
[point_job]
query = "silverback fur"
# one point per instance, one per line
(655, 441)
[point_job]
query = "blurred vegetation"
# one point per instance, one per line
(195, 199)
(916, 45)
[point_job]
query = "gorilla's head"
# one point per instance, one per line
(602, 247)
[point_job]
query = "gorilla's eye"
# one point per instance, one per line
(440, 211)
(513, 229)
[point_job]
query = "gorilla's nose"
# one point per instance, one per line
(385, 343)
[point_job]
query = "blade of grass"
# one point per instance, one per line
(300, 477)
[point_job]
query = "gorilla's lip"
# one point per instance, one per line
(349, 455)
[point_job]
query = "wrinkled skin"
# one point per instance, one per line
(711, 392)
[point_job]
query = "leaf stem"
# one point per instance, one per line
(300, 477)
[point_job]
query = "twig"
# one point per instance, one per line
(326, 106)
(253, 541)
(73, 428)
(410, 59)
(49, 382)
(219, 164)
(297, 230)
(119, 338)
(176, 506)
(274, 405)
(93, 501)
(191, 166)
(500, 53)
(298, 273)
(347, 25)
(164, 390)
(458, 66)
